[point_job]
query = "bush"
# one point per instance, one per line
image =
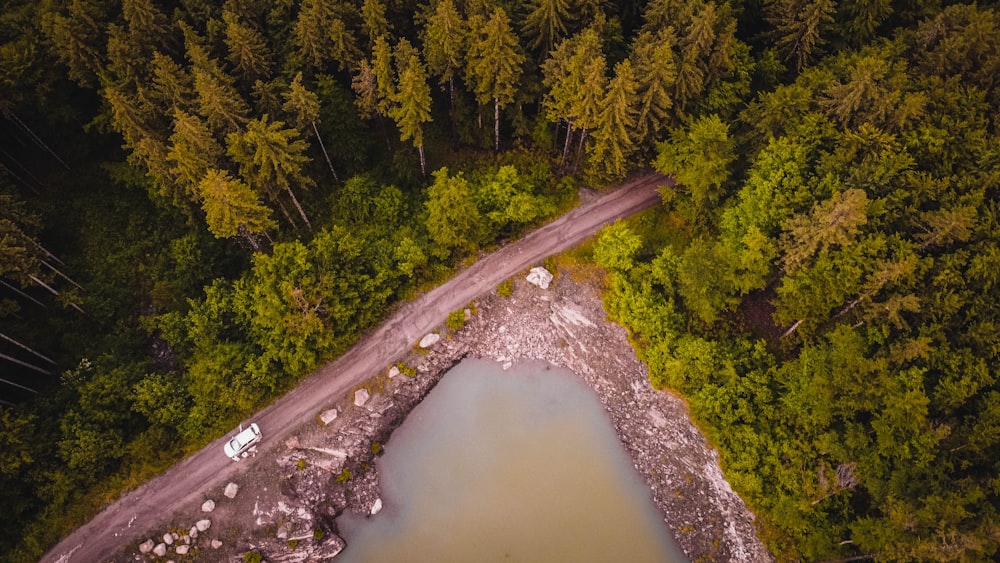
(252, 557)
(505, 289)
(456, 320)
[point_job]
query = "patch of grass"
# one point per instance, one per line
(506, 288)
(252, 557)
(292, 544)
(406, 370)
(344, 476)
(318, 534)
(376, 448)
(301, 464)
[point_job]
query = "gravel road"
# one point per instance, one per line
(185, 481)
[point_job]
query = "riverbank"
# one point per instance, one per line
(289, 498)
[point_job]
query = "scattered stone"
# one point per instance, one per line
(146, 546)
(283, 531)
(393, 372)
(186, 539)
(160, 550)
(539, 276)
(216, 544)
(203, 525)
(231, 490)
(168, 538)
(430, 340)
(361, 397)
(208, 505)
(468, 314)
(175, 535)
(292, 442)
(182, 549)
(193, 532)
(328, 416)
(376, 506)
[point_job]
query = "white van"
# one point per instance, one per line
(243, 443)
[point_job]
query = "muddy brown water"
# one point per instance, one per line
(515, 465)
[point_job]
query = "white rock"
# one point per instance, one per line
(186, 539)
(175, 535)
(540, 277)
(203, 525)
(208, 505)
(361, 397)
(182, 549)
(193, 532)
(146, 546)
(376, 506)
(328, 416)
(430, 340)
(160, 550)
(168, 538)
(231, 490)
(468, 314)
(283, 531)
(216, 544)
(393, 372)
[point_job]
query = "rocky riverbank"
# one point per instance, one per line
(288, 499)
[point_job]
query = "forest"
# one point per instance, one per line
(201, 202)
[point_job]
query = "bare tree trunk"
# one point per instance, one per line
(26, 348)
(54, 292)
(569, 137)
(423, 161)
(288, 217)
(579, 149)
(323, 148)
(38, 140)
(23, 294)
(60, 274)
(792, 328)
(496, 124)
(25, 364)
(299, 207)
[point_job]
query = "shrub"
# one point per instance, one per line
(344, 476)
(456, 320)
(252, 557)
(506, 288)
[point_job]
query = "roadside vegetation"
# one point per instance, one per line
(201, 202)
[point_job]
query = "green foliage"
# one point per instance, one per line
(344, 476)
(456, 320)
(252, 557)
(506, 288)
(318, 534)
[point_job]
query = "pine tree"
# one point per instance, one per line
(799, 27)
(613, 138)
(271, 157)
(79, 40)
(146, 23)
(232, 208)
(565, 74)
(656, 72)
(376, 24)
(412, 105)
(304, 105)
(493, 63)
(247, 49)
(321, 34)
(219, 102)
(547, 22)
(445, 38)
(193, 152)
(172, 86)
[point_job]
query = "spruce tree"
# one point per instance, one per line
(493, 63)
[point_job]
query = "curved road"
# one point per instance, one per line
(208, 468)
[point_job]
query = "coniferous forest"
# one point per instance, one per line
(201, 202)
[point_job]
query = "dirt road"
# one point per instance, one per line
(185, 481)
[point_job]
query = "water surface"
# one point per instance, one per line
(517, 465)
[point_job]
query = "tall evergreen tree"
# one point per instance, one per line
(547, 23)
(655, 72)
(445, 38)
(247, 49)
(412, 104)
(219, 102)
(613, 137)
(232, 208)
(799, 28)
(271, 157)
(304, 105)
(321, 34)
(493, 63)
(193, 152)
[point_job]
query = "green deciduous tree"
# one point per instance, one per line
(699, 158)
(232, 208)
(452, 219)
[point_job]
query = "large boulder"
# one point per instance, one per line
(540, 277)
(376, 506)
(430, 340)
(328, 416)
(182, 549)
(361, 397)
(208, 505)
(231, 490)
